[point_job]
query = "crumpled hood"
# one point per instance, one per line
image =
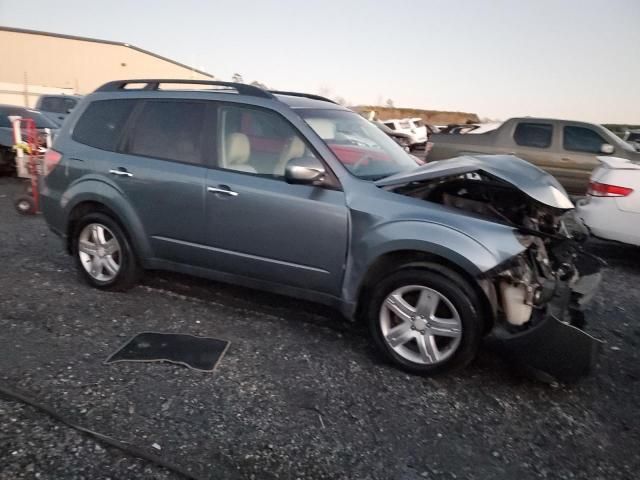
(528, 178)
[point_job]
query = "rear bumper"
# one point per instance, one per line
(606, 220)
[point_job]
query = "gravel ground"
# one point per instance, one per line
(299, 394)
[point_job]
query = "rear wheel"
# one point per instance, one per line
(103, 253)
(25, 205)
(425, 321)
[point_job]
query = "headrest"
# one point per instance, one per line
(326, 129)
(296, 148)
(238, 149)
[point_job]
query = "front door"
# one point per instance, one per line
(581, 146)
(257, 225)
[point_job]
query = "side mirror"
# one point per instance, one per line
(304, 171)
(607, 149)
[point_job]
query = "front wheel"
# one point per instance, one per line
(425, 321)
(103, 253)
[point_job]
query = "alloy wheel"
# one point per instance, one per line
(99, 252)
(420, 324)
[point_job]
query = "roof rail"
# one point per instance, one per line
(306, 95)
(154, 84)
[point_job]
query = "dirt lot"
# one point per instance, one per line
(300, 393)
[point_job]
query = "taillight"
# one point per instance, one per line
(597, 189)
(51, 159)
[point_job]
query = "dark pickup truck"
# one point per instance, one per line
(568, 150)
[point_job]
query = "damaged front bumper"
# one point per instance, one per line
(553, 346)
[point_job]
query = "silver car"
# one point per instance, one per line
(292, 193)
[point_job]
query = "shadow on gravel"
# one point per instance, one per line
(617, 255)
(291, 310)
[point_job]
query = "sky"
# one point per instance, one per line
(575, 59)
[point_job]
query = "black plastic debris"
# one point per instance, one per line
(198, 353)
(551, 350)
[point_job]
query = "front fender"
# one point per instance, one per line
(97, 190)
(475, 254)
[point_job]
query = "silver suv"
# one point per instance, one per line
(294, 194)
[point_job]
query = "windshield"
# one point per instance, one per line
(365, 150)
(617, 141)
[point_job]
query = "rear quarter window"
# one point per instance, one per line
(102, 123)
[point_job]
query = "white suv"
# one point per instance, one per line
(414, 127)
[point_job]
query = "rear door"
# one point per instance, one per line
(259, 226)
(161, 171)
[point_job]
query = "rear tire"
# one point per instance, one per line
(103, 253)
(425, 320)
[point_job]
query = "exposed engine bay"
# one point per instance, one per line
(553, 276)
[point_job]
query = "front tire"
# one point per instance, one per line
(103, 254)
(425, 320)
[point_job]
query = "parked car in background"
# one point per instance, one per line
(632, 137)
(611, 209)
(7, 154)
(431, 129)
(141, 179)
(402, 139)
(419, 127)
(566, 149)
(57, 107)
(484, 128)
(418, 134)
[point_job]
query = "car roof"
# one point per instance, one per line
(295, 100)
(60, 95)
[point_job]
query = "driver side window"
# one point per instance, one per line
(258, 142)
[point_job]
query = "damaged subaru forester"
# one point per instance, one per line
(295, 194)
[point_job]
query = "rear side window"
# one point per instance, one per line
(391, 125)
(57, 104)
(102, 122)
(53, 104)
(170, 130)
(582, 139)
(537, 135)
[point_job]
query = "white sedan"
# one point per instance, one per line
(611, 209)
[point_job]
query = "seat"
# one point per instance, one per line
(294, 148)
(238, 152)
(325, 128)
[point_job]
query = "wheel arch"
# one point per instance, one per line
(396, 260)
(109, 201)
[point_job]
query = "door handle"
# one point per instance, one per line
(565, 159)
(226, 191)
(121, 172)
